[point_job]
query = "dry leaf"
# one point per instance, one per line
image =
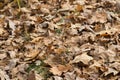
(111, 70)
(14, 71)
(3, 55)
(67, 6)
(31, 75)
(50, 61)
(23, 9)
(1, 31)
(37, 39)
(99, 16)
(79, 7)
(55, 32)
(12, 26)
(3, 75)
(64, 68)
(115, 65)
(38, 77)
(108, 32)
(33, 18)
(84, 58)
(59, 50)
(47, 41)
(96, 64)
(3, 63)
(59, 69)
(12, 54)
(58, 78)
(45, 10)
(82, 2)
(32, 54)
(118, 6)
(79, 78)
(55, 71)
(69, 76)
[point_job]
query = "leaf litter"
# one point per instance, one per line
(59, 40)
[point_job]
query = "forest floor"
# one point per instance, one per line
(60, 40)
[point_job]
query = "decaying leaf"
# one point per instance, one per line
(59, 39)
(37, 39)
(59, 69)
(99, 16)
(12, 54)
(115, 65)
(23, 9)
(55, 71)
(32, 54)
(108, 32)
(111, 70)
(38, 77)
(84, 58)
(3, 55)
(64, 68)
(57, 78)
(69, 76)
(96, 64)
(31, 76)
(12, 26)
(45, 10)
(1, 31)
(79, 8)
(3, 75)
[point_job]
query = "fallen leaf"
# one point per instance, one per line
(118, 6)
(31, 75)
(59, 50)
(79, 78)
(115, 65)
(111, 70)
(3, 75)
(12, 54)
(55, 71)
(23, 9)
(1, 31)
(3, 55)
(32, 54)
(38, 77)
(1, 5)
(64, 68)
(37, 39)
(45, 10)
(33, 18)
(50, 61)
(47, 41)
(79, 7)
(3, 63)
(95, 64)
(59, 69)
(12, 26)
(67, 6)
(99, 16)
(69, 76)
(108, 32)
(84, 58)
(58, 78)
(82, 2)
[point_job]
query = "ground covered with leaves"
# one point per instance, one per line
(60, 40)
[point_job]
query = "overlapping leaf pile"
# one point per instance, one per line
(60, 40)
